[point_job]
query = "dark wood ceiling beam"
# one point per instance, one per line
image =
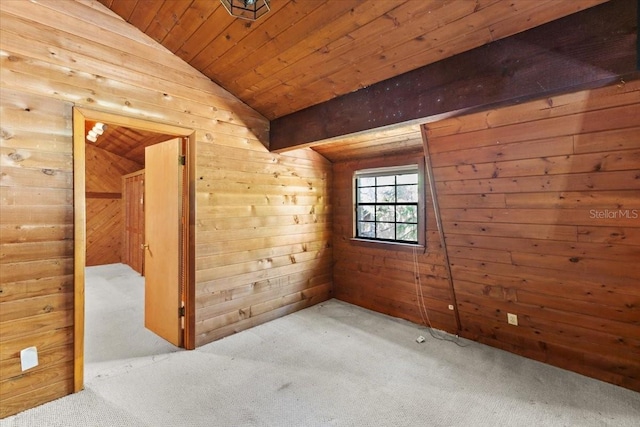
(588, 49)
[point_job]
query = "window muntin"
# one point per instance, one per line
(387, 204)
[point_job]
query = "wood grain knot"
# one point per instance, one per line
(5, 134)
(16, 157)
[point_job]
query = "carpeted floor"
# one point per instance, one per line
(335, 364)
(114, 321)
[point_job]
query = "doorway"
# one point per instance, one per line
(83, 119)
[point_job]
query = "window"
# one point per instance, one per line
(388, 204)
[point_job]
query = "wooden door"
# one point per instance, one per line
(163, 235)
(133, 233)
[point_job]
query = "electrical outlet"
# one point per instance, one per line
(28, 358)
(512, 319)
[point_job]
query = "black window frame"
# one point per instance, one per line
(395, 170)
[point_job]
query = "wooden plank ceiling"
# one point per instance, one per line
(306, 52)
(126, 142)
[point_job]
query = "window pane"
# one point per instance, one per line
(385, 230)
(386, 180)
(367, 195)
(387, 204)
(407, 213)
(411, 178)
(366, 229)
(407, 193)
(385, 213)
(366, 213)
(366, 182)
(407, 232)
(386, 194)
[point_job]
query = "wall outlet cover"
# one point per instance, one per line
(29, 358)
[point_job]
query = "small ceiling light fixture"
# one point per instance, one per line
(98, 129)
(247, 9)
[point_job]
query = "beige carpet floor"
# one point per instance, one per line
(333, 364)
(114, 321)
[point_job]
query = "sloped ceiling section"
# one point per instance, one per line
(126, 142)
(303, 53)
(593, 48)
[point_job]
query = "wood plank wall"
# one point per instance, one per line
(36, 248)
(105, 222)
(263, 228)
(382, 278)
(264, 236)
(541, 210)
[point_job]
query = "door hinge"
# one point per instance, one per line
(181, 312)
(182, 160)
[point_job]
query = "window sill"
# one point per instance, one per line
(391, 246)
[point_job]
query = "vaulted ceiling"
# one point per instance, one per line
(319, 69)
(305, 52)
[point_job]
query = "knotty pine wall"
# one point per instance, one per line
(262, 224)
(264, 236)
(36, 246)
(105, 214)
(383, 277)
(540, 205)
